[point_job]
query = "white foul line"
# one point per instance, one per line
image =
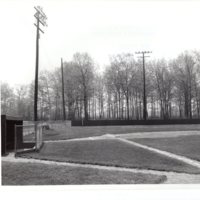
(171, 155)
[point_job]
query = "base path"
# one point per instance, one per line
(172, 177)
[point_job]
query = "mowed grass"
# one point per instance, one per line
(44, 174)
(67, 131)
(110, 152)
(188, 146)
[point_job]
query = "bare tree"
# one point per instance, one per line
(22, 101)
(127, 76)
(45, 95)
(164, 82)
(99, 96)
(84, 75)
(185, 75)
(113, 86)
(7, 99)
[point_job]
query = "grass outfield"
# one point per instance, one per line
(111, 153)
(68, 132)
(188, 146)
(43, 174)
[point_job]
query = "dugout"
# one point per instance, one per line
(8, 133)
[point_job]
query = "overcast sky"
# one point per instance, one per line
(101, 28)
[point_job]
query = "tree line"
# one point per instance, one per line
(172, 89)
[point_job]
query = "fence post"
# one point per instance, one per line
(15, 140)
(36, 135)
(41, 135)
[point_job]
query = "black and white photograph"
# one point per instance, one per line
(100, 94)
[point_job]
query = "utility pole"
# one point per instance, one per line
(63, 91)
(40, 19)
(144, 83)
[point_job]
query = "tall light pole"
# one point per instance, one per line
(144, 83)
(63, 91)
(40, 19)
